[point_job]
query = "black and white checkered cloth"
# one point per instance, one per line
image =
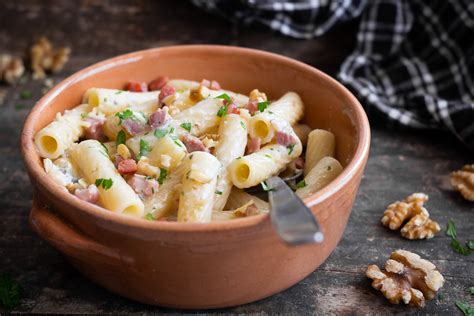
(414, 60)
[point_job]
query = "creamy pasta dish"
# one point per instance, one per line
(183, 150)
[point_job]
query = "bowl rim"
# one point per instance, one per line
(39, 176)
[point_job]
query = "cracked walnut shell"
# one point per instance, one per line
(406, 278)
(463, 181)
(419, 225)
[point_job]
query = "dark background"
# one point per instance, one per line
(401, 162)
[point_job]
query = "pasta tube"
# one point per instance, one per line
(94, 163)
(252, 169)
(198, 187)
(164, 201)
(167, 153)
(289, 107)
(232, 142)
(111, 101)
(321, 143)
(238, 197)
(57, 136)
(326, 170)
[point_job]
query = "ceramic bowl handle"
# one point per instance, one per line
(64, 237)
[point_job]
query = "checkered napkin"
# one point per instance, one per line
(414, 60)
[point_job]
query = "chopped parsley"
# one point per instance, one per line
(104, 183)
(83, 115)
(301, 184)
(26, 94)
(163, 175)
(126, 114)
(118, 92)
(243, 125)
(470, 245)
(225, 97)
(20, 107)
(466, 309)
(149, 217)
(263, 105)
(451, 229)
(10, 292)
(226, 100)
(268, 156)
(471, 290)
(172, 130)
(218, 192)
(222, 111)
(455, 243)
(144, 148)
(265, 187)
(120, 138)
(160, 132)
(177, 141)
(186, 126)
(290, 148)
(105, 99)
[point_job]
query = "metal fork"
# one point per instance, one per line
(291, 218)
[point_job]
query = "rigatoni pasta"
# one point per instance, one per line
(321, 143)
(183, 150)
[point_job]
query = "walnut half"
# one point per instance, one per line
(45, 58)
(406, 278)
(419, 225)
(11, 68)
(463, 181)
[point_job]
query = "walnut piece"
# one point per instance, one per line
(11, 68)
(45, 58)
(463, 181)
(257, 96)
(419, 225)
(406, 278)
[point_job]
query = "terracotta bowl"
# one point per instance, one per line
(198, 265)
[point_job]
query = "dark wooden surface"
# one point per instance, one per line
(401, 162)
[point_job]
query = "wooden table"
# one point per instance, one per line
(401, 162)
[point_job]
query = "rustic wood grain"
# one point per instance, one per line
(401, 162)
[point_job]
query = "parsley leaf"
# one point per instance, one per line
(455, 243)
(26, 94)
(119, 91)
(290, 148)
(160, 132)
(470, 244)
(225, 97)
(163, 175)
(218, 192)
(120, 138)
(243, 125)
(10, 292)
(124, 115)
(451, 229)
(226, 100)
(171, 130)
(459, 248)
(149, 217)
(263, 105)
(466, 309)
(222, 111)
(144, 148)
(265, 187)
(104, 183)
(186, 126)
(268, 156)
(301, 184)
